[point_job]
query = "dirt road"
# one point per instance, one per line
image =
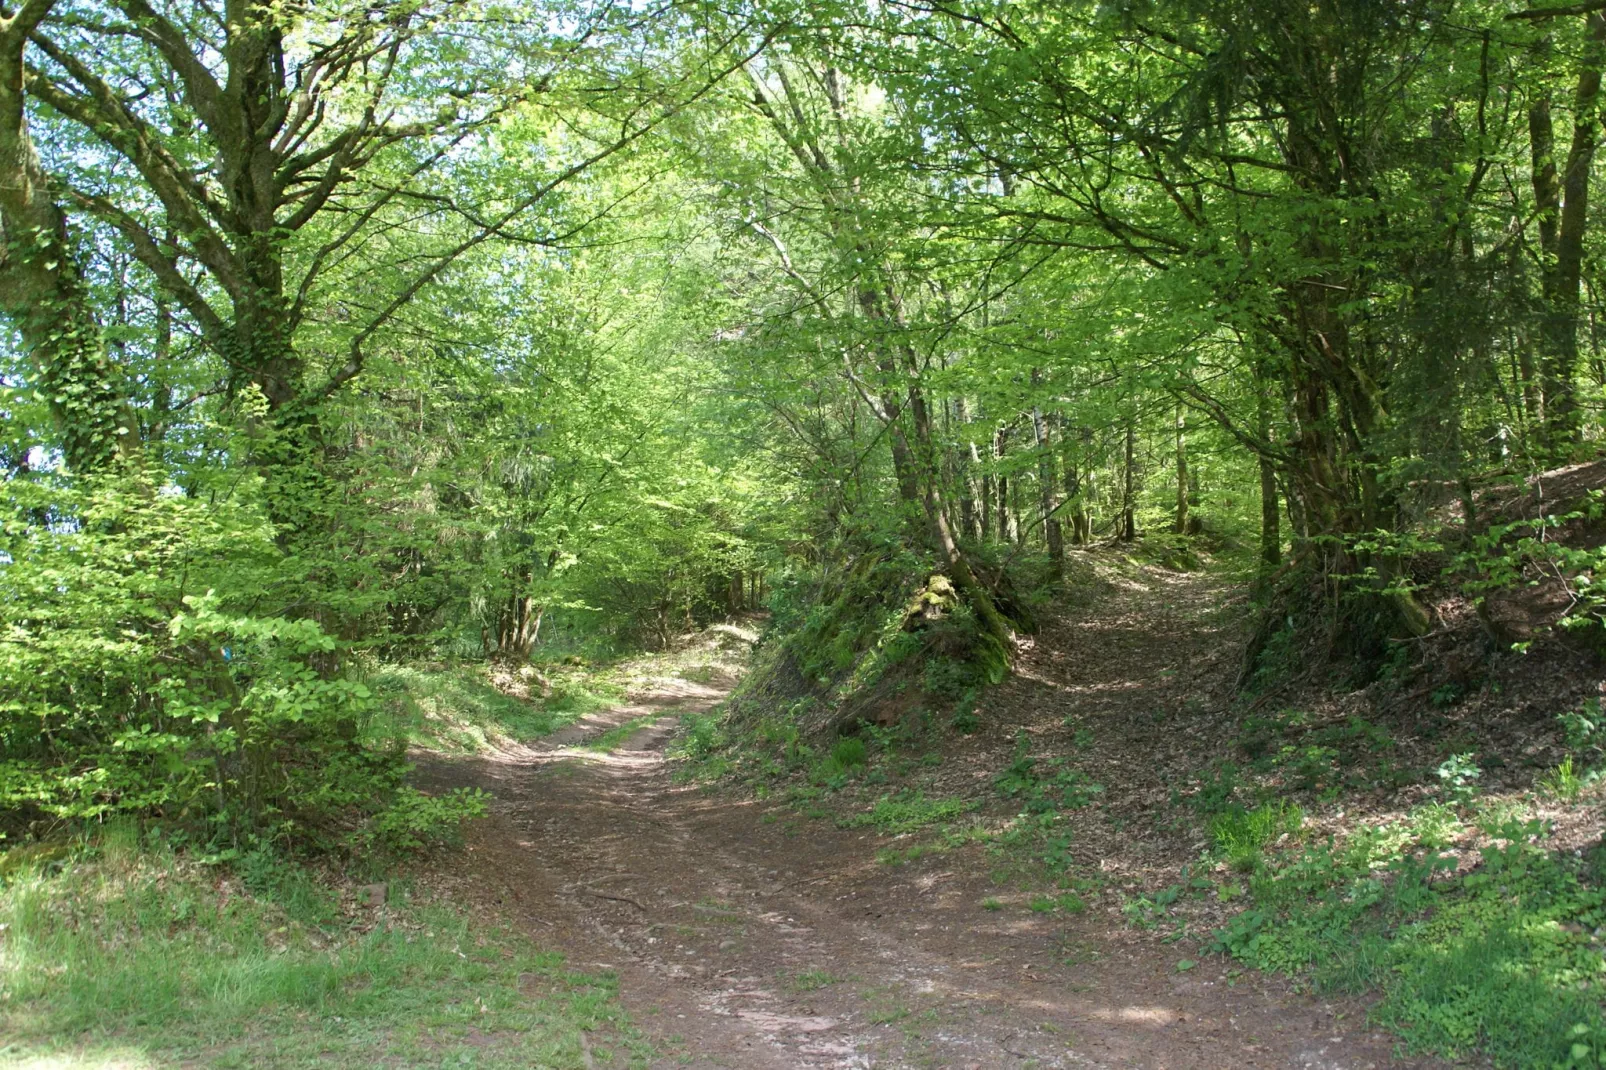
(746, 936)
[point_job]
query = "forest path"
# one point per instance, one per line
(746, 937)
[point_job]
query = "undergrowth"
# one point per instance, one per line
(1479, 935)
(457, 710)
(1505, 959)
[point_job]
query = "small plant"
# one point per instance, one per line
(992, 902)
(908, 811)
(814, 980)
(1054, 788)
(965, 718)
(1142, 912)
(1459, 776)
(1242, 834)
(416, 821)
(1310, 768)
(700, 737)
(1563, 782)
(1070, 903)
(1065, 902)
(849, 752)
(1445, 695)
(1435, 824)
(1585, 729)
(1216, 789)
(1018, 778)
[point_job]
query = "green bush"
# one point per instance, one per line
(152, 662)
(414, 821)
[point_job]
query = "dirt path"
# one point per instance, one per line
(746, 937)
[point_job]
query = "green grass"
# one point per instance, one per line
(1241, 835)
(140, 961)
(1502, 960)
(908, 811)
(1563, 782)
(1067, 902)
(814, 980)
(850, 751)
(614, 738)
(457, 711)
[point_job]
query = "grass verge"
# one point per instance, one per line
(135, 959)
(1504, 958)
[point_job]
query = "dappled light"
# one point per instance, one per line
(795, 535)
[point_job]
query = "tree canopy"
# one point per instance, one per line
(414, 328)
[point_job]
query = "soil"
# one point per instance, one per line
(745, 935)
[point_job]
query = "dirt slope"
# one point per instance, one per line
(744, 937)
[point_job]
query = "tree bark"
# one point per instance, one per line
(1129, 524)
(1048, 484)
(1006, 527)
(1073, 487)
(1563, 204)
(1181, 522)
(1271, 539)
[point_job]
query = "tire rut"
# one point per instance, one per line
(743, 941)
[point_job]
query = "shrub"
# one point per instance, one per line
(145, 668)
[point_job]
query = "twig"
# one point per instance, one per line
(618, 899)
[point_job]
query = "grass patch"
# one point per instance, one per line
(814, 980)
(908, 811)
(614, 738)
(1502, 960)
(145, 960)
(1242, 835)
(456, 710)
(1067, 902)
(947, 840)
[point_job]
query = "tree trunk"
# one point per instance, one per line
(1563, 204)
(1181, 522)
(1129, 524)
(1017, 529)
(1271, 539)
(966, 466)
(986, 505)
(1071, 484)
(1048, 480)
(1006, 530)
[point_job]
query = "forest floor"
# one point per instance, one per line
(746, 934)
